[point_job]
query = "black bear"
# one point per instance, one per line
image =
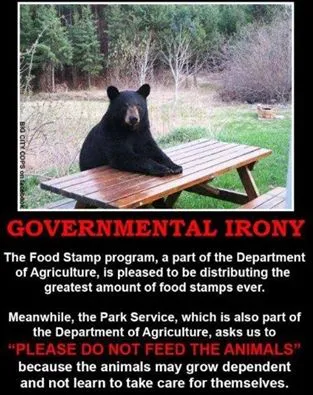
(122, 139)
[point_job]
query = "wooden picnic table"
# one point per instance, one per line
(202, 161)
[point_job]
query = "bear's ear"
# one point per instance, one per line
(144, 90)
(112, 92)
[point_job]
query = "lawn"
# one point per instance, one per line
(229, 123)
(240, 124)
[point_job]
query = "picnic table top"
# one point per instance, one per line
(202, 160)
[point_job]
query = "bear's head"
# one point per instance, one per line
(129, 108)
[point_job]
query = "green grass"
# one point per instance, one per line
(240, 125)
(182, 135)
(236, 123)
(36, 197)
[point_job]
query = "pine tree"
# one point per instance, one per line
(27, 47)
(86, 47)
(54, 49)
(27, 35)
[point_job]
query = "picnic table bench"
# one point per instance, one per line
(275, 199)
(202, 161)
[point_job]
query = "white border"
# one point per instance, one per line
(292, 146)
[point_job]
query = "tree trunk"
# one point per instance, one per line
(52, 79)
(195, 81)
(74, 77)
(176, 90)
(45, 78)
(99, 12)
(187, 76)
(89, 81)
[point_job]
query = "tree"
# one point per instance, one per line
(100, 12)
(177, 54)
(264, 13)
(28, 43)
(232, 17)
(27, 33)
(207, 39)
(129, 41)
(122, 28)
(54, 49)
(144, 57)
(86, 47)
(134, 40)
(260, 64)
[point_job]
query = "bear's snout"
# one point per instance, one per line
(133, 120)
(132, 116)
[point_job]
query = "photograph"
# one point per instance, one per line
(155, 106)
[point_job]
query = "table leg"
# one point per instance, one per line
(219, 193)
(248, 182)
(166, 202)
(81, 205)
(160, 203)
(172, 199)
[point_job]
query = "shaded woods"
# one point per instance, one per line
(207, 64)
(78, 46)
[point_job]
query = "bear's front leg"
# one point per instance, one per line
(154, 152)
(130, 161)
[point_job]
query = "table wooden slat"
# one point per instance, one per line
(63, 204)
(189, 144)
(271, 203)
(280, 206)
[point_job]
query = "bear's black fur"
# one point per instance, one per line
(122, 139)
